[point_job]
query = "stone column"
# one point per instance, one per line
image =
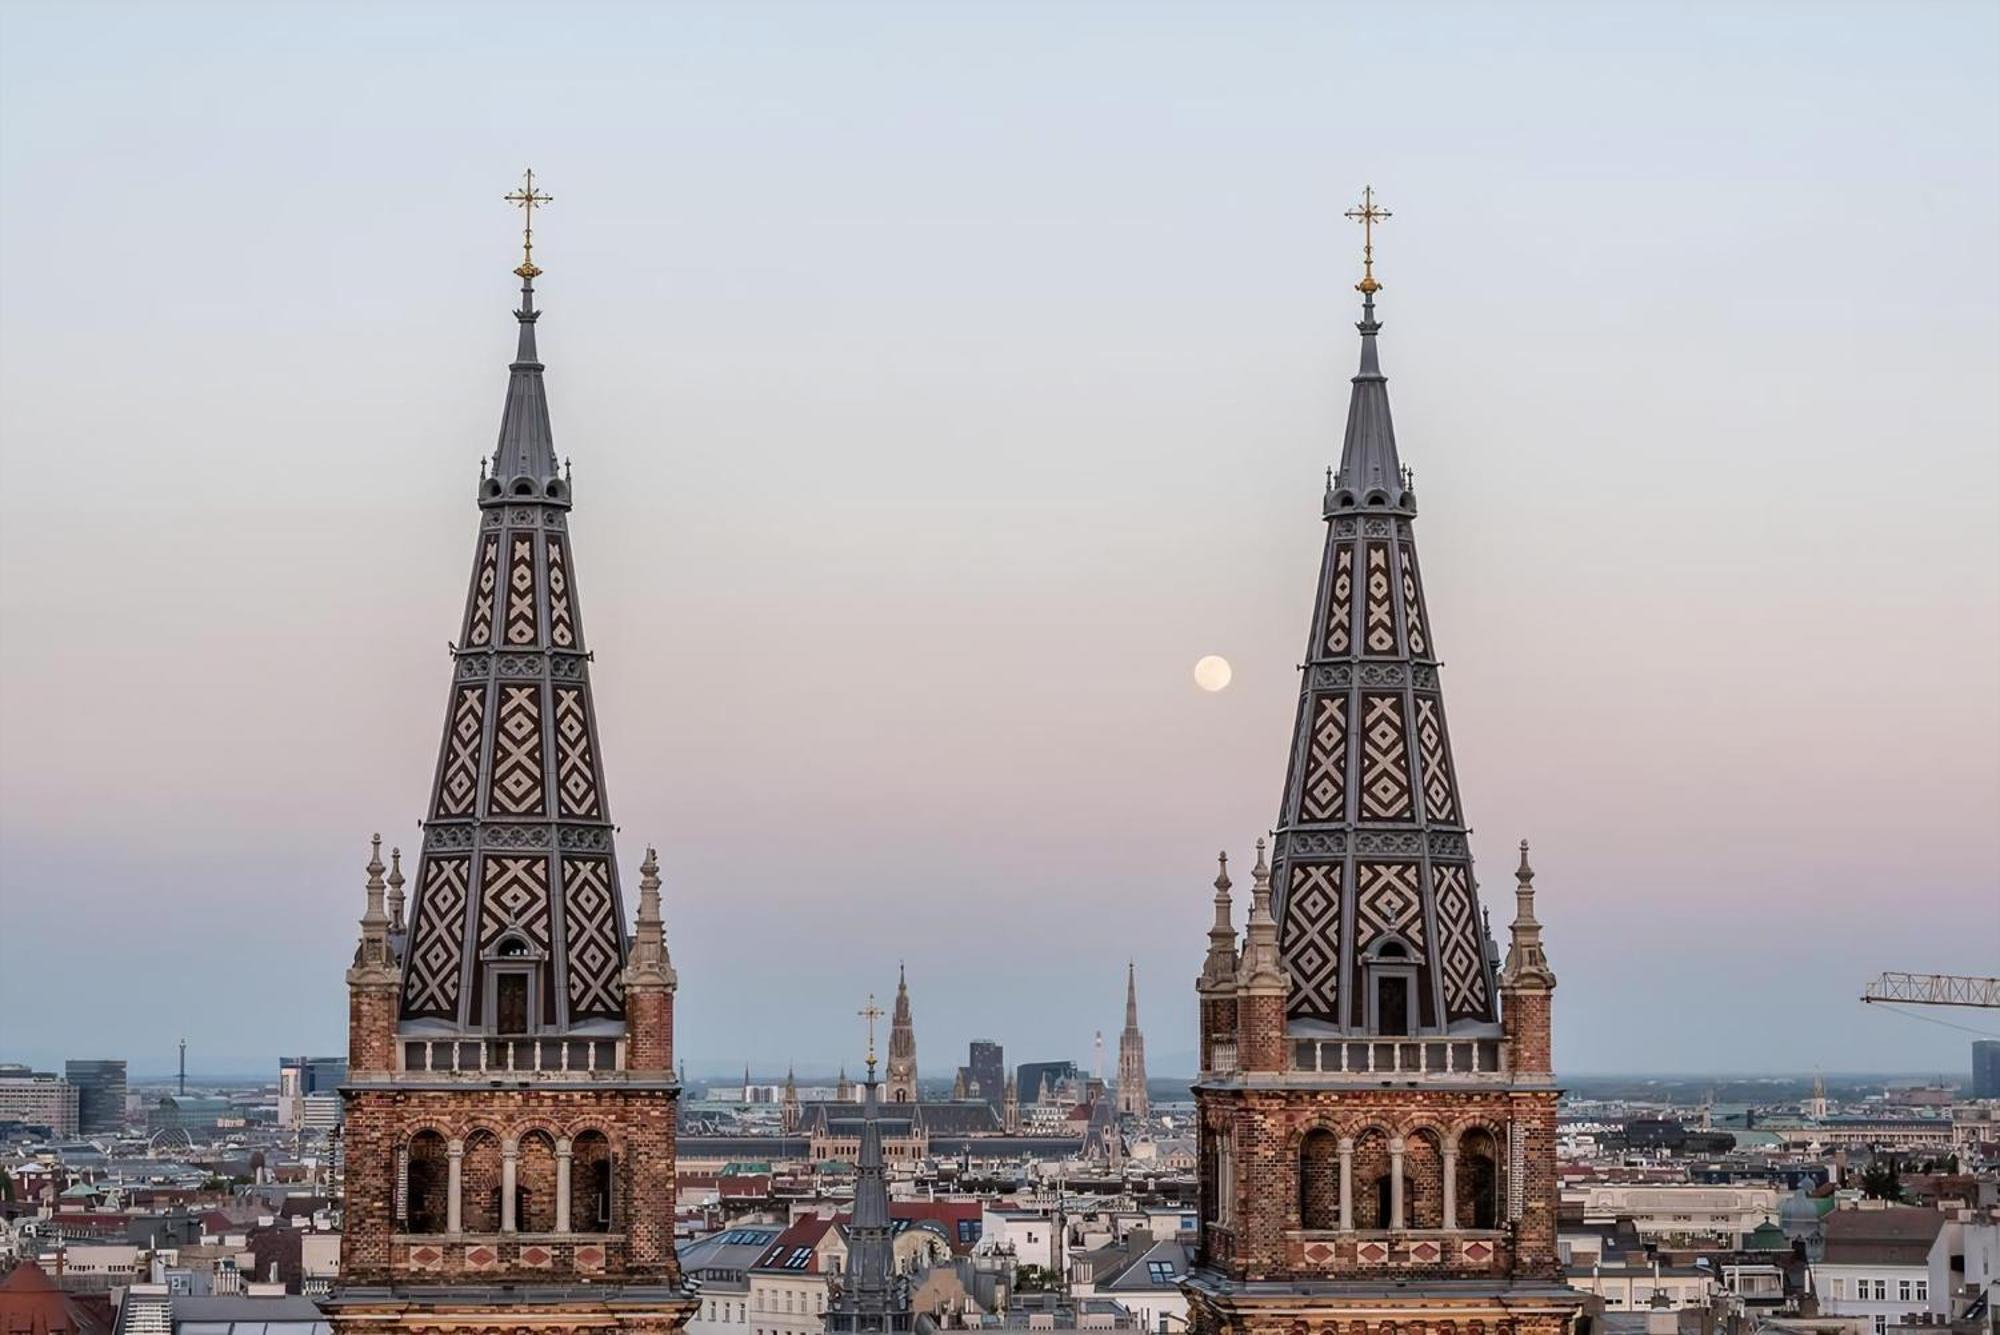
(454, 1209)
(510, 1158)
(1396, 1183)
(1347, 1184)
(563, 1148)
(1451, 1186)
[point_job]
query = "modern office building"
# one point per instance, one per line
(1986, 1068)
(37, 1098)
(100, 1094)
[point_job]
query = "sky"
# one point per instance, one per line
(942, 381)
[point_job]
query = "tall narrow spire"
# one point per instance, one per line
(517, 890)
(1132, 1097)
(1370, 472)
(1373, 890)
(524, 461)
(872, 1297)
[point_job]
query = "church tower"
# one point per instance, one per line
(902, 1084)
(1376, 1104)
(511, 1097)
(1132, 1100)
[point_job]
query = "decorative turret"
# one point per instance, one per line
(1010, 1107)
(650, 980)
(1527, 964)
(1527, 981)
(396, 924)
(788, 1110)
(371, 980)
(1261, 981)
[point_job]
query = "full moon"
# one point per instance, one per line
(1212, 673)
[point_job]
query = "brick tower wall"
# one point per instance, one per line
(638, 1125)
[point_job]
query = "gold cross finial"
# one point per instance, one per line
(871, 1013)
(528, 199)
(1368, 213)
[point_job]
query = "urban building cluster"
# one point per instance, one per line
(1375, 1141)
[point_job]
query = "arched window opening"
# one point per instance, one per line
(1319, 1180)
(1423, 1180)
(590, 1192)
(480, 1184)
(535, 1184)
(1371, 1180)
(427, 1184)
(1478, 1180)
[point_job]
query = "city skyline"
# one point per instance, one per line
(997, 446)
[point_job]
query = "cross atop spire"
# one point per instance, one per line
(1368, 213)
(871, 1013)
(528, 199)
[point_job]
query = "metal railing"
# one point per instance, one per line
(512, 1056)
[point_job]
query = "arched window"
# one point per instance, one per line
(427, 1186)
(480, 1184)
(1478, 1180)
(1319, 1180)
(1423, 1180)
(1371, 1180)
(535, 1184)
(590, 1184)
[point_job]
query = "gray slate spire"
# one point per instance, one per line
(524, 462)
(1371, 881)
(872, 1297)
(1370, 472)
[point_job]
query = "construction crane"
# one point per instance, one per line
(1934, 989)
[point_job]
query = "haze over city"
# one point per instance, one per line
(942, 384)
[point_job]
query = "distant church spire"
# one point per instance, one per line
(872, 1297)
(1132, 1100)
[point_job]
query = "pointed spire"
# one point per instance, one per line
(1131, 996)
(1527, 965)
(524, 460)
(1260, 969)
(396, 890)
(1370, 472)
(1219, 969)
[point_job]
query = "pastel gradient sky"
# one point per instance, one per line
(943, 381)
